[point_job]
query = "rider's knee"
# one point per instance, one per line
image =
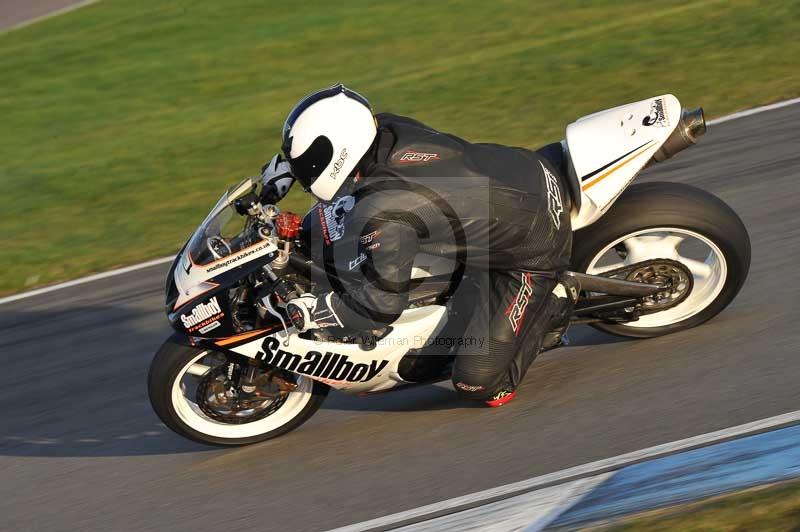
(477, 387)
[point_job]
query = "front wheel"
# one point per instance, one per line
(669, 221)
(221, 399)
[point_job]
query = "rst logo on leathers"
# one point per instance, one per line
(332, 366)
(516, 310)
(554, 205)
(369, 237)
(411, 156)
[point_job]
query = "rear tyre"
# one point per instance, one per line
(669, 221)
(178, 371)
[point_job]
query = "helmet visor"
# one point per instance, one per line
(307, 166)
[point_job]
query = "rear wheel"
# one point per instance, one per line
(221, 399)
(676, 222)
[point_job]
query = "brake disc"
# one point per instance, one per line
(222, 401)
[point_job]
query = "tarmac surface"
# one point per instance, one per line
(80, 448)
(13, 12)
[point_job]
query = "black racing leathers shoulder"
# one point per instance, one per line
(501, 207)
(427, 193)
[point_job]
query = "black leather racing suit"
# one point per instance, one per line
(500, 212)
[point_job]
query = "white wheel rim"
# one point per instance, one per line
(191, 414)
(708, 266)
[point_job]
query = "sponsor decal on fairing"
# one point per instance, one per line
(203, 315)
(657, 116)
(331, 366)
(236, 258)
(210, 327)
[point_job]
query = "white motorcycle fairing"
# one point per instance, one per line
(347, 366)
(607, 149)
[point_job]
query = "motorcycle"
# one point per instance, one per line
(650, 259)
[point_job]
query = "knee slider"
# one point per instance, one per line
(477, 387)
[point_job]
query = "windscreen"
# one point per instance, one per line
(224, 232)
(224, 241)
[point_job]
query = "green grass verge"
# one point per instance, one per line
(772, 509)
(122, 122)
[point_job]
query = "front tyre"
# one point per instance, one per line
(198, 394)
(669, 221)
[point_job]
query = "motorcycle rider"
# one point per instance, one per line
(390, 189)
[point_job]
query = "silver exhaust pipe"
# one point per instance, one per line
(691, 126)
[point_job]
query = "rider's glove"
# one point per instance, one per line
(312, 312)
(277, 179)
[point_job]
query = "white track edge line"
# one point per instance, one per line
(162, 260)
(616, 462)
(575, 495)
(753, 111)
(46, 16)
(84, 280)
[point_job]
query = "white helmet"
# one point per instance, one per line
(325, 136)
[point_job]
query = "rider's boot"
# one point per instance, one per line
(501, 397)
(565, 296)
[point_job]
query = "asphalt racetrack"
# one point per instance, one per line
(80, 448)
(14, 12)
